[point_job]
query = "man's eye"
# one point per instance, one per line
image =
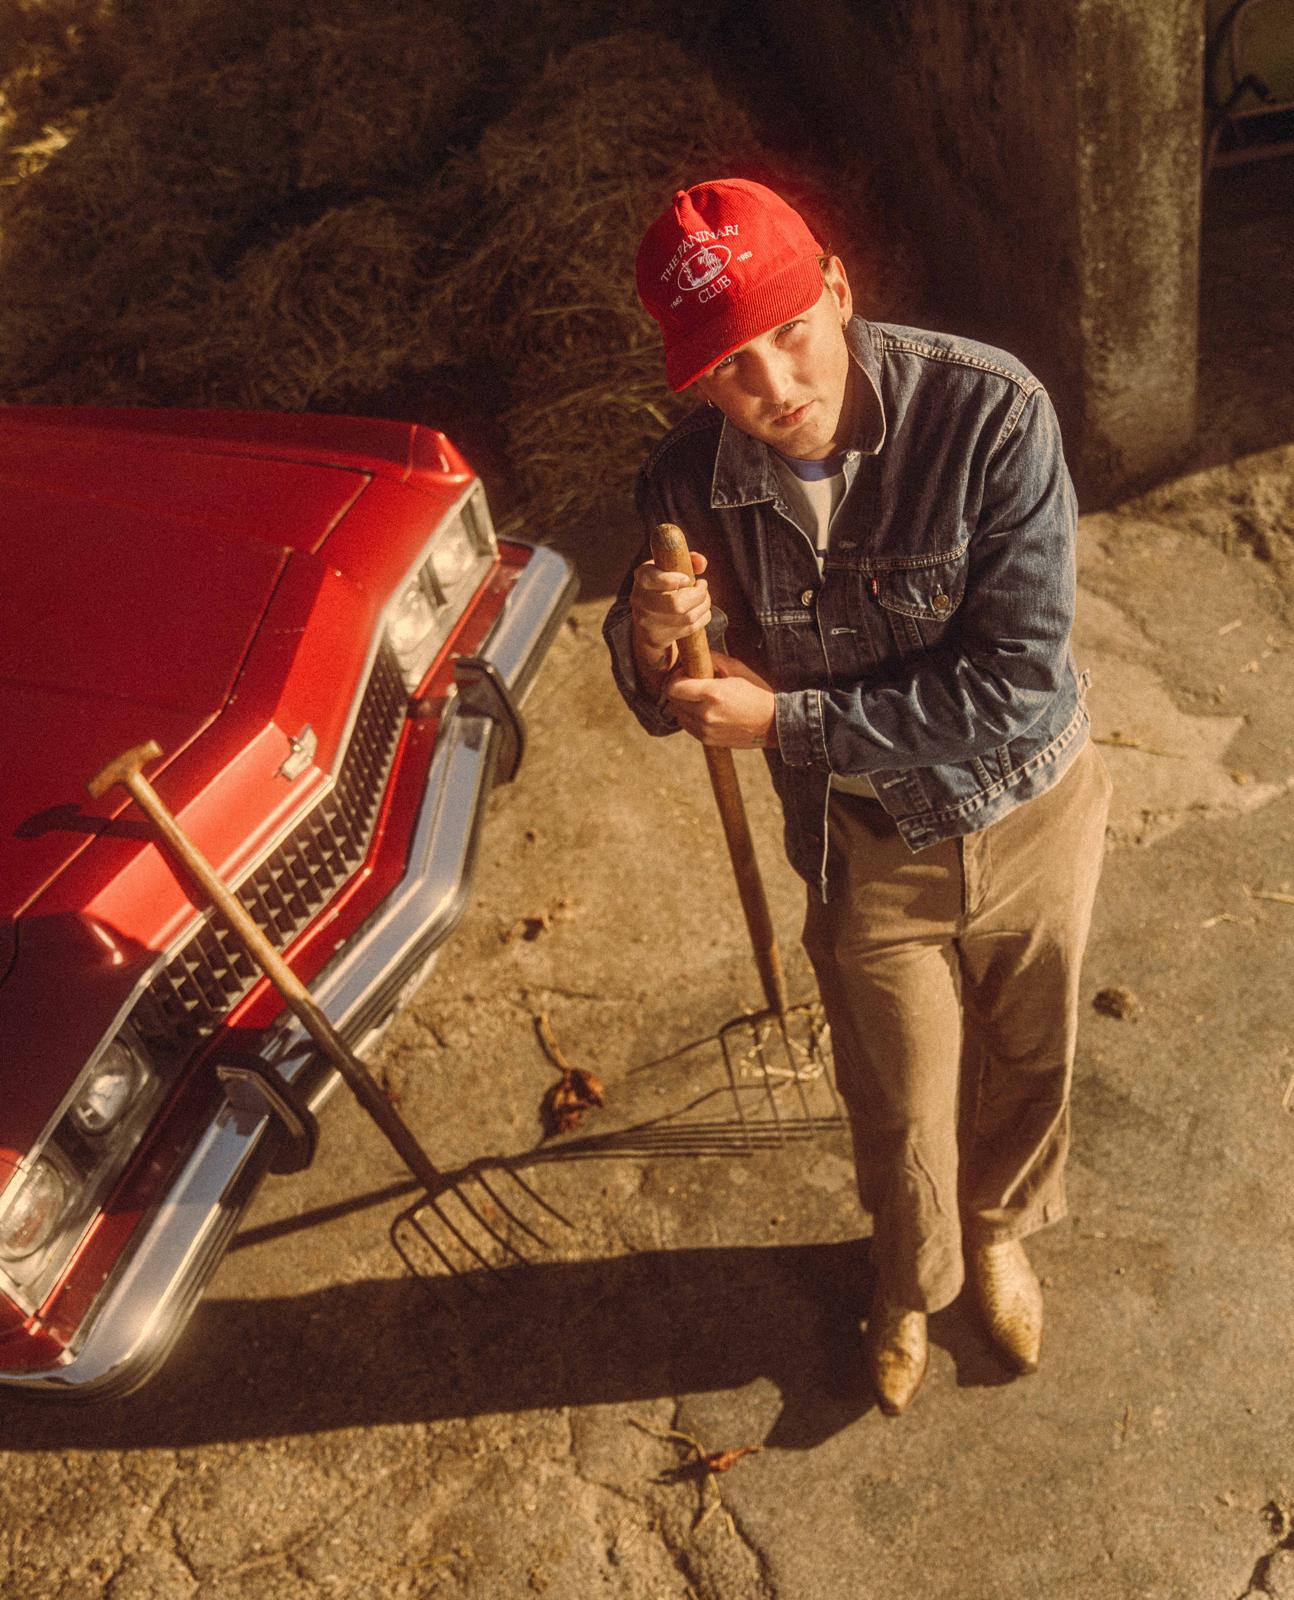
(726, 362)
(787, 327)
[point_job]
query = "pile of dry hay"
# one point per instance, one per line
(540, 274)
(258, 212)
(57, 58)
(230, 225)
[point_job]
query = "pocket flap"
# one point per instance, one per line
(931, 593)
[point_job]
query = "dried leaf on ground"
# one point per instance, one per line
(704, 1466)
(1116, 1002)
(566, 1103)
(576, 1092)
(725, 1460)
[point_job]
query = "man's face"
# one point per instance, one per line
(792, 387)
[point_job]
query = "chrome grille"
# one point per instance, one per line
(212, 972)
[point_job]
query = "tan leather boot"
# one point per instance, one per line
(1010, 1300)
(898, 1352)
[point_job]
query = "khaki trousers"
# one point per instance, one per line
(950, 981)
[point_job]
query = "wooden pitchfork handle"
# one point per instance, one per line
(126, 770)
(670, 553)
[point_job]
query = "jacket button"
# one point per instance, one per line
(941, 602)
(806, 599)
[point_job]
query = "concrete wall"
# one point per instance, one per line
(1045, 155)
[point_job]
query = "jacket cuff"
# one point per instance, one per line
(798, 716)
(652, 713)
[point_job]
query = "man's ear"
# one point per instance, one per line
(837, 281)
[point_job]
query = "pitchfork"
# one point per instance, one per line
(457, 1229)
(748, 1041)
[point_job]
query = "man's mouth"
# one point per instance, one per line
(791, 419)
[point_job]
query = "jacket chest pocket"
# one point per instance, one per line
(919, 601)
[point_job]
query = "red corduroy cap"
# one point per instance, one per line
(728, 261)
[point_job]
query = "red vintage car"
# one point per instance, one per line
(314, 618)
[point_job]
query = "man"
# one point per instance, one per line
(886, 517)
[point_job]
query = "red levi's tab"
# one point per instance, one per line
(727, 261)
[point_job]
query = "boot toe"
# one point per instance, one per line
(899, 1352)
(1010, 1300)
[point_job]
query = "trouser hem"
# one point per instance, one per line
(976, 1233)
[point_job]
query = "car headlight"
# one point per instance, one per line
(107, 1089)
(73, 1166)
(455, 558)
(413, 628)
(33, 1210)
(434, 597)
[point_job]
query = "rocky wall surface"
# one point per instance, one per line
(1047, 163)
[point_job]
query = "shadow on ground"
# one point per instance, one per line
(632, 1328)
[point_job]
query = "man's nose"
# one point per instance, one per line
(769, 377)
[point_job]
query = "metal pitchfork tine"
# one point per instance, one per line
(670, 553)
(409, 1226)
(127, 770)
(815, 1068)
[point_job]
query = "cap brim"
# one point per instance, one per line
(789, 293)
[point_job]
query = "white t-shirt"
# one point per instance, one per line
(814, 491)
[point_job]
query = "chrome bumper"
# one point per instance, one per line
(149, 1297)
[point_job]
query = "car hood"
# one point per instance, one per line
(125, 621)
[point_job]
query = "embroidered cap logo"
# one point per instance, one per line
(704, 266)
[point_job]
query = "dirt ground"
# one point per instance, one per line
(326, 1428)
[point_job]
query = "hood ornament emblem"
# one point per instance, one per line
(301, 754)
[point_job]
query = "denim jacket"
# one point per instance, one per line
(931, 652)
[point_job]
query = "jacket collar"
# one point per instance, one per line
(743, 467)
